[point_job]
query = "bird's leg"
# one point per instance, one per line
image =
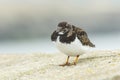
(76, 60)
(67, 62)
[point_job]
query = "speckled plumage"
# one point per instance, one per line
(71, 40)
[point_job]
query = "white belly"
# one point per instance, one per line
(72, 49)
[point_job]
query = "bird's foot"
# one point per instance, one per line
(74, 63)
(65, 64)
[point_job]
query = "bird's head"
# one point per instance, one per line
(63, 27)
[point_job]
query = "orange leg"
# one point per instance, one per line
(67, 62)
(76, 60)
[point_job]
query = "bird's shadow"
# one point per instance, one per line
(93, 58)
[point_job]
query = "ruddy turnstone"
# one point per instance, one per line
(72, 41)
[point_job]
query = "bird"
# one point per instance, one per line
(72, 41)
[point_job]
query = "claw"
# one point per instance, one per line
(66, 64)
(74, 63)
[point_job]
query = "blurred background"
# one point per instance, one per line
(26, 25)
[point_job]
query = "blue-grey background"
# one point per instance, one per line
(26, 25)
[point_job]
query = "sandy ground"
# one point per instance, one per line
(97, 65)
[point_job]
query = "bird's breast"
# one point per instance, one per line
(72, 49)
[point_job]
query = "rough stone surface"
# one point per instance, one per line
(97, 65)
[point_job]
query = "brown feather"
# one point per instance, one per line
(83, 37)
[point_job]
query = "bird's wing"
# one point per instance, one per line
(54, 36)
(82, 36)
